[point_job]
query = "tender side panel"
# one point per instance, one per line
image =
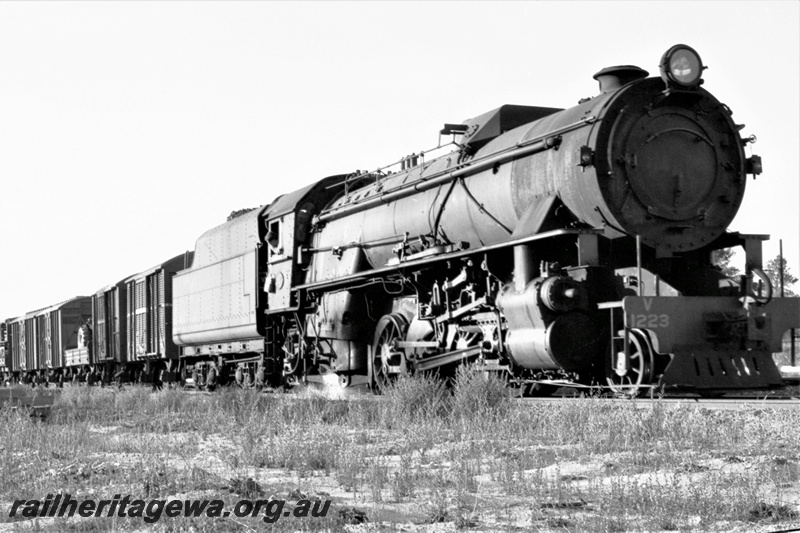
(217, 303)
(232, 239)
(217, 300)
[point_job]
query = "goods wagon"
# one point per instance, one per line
(38, 343)
(148, 319)
(109, 334)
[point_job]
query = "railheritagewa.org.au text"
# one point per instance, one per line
(151, 511)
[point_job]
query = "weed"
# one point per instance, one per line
(415, 398)
(479, 395)
(403, 484)
(772, 512)
(581, 464)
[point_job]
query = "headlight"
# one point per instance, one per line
(681, 66)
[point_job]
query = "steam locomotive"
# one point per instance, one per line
(553, 246)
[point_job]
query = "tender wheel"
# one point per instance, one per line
(628, 377)
(388, 361)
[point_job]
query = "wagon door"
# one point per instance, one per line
(100, 327)
(56, 347)
(30, 344)
(137, 318)
(17, 345)
(44, 340)
(155, 293)
(116, 323)
(70, 321)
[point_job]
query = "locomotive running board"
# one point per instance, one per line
(359, 277)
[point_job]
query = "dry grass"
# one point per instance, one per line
(423, 457)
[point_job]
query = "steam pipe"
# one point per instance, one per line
(523, 266)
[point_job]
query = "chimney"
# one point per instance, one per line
(612, 78)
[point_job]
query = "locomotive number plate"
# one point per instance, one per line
(677, 320)
(649, 321)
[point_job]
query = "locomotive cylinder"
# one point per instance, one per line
(540, 337)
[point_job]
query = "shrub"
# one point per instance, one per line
(416, 397)
(478, 395)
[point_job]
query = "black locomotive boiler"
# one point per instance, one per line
(552, 245)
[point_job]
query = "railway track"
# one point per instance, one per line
(40, 401)
(718, 404)
(723, 403)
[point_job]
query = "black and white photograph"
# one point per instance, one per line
(400, 266)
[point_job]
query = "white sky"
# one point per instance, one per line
(127, 129)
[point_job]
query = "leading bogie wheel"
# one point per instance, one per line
(631, 375)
